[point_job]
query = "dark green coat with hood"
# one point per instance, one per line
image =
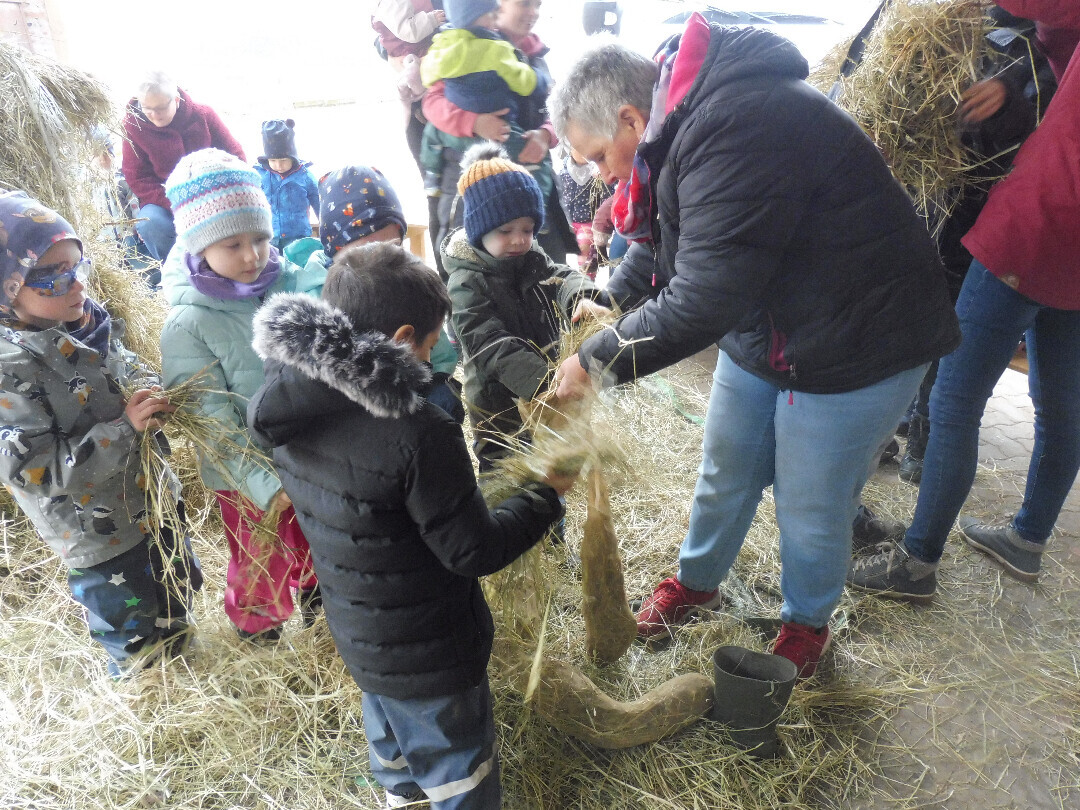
(507, 314)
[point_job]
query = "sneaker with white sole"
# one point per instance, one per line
(1020, 558)
(672, 604)
(894, 574)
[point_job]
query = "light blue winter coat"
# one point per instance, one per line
(215, 334)
(68, 454)
(290, 196)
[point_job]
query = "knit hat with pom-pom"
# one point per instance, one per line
(496, 191)
(215, 195)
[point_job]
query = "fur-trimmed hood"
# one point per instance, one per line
(319, 341)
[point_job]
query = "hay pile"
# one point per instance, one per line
(47, 114)
(237, 726)
(919, 58)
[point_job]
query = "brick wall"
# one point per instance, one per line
(33, 24)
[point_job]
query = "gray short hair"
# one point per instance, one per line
(157, 82)
(602, 80)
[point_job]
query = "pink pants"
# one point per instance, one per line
(259, 584)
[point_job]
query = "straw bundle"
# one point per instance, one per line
(919, 58)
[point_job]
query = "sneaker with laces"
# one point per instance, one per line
(893, 573)
(803, 646)
(868, 530)
(672, 604)
(1020, 558)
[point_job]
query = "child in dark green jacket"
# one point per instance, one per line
(509, 299)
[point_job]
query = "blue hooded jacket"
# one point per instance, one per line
(290, 197)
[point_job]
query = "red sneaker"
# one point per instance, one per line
(803, 646)
(671, 604)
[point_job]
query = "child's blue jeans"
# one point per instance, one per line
(817, 450)
(993, 318)
(444, 746)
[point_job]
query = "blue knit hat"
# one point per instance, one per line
(463, 13)
(496, 191)
(354, 202)
(215, 195)
(279, 140)
(27, 230)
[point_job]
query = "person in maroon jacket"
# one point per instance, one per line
(1024, 280)
(161, 125)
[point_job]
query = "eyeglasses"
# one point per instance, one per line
(161, 109)
(52, 280)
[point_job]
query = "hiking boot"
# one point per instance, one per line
(869, 530)
(895, 574)
(671, 604)
(310, 601)
(270, 635)
(803, 646)
(1020, 558)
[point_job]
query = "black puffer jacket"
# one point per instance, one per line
(385, 493)
(781, 231)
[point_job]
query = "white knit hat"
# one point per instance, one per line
(214, 195)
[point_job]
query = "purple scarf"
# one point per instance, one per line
(211, 284)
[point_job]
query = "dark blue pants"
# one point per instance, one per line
(993, 318)
(444, 746)
(139, 598)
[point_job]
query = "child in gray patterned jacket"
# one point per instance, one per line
(69, 441)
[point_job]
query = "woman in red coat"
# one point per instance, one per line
(1025, 280)
(161, 125)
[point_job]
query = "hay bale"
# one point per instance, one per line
(919, 57)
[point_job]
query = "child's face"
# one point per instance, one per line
(512, 239)
(44, 308)
(280, 165)
(239, 258)
(517, 17)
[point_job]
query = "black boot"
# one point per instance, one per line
(752, 691)
(912, 463)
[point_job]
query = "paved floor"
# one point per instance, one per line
(989, 709)
(1002, 733)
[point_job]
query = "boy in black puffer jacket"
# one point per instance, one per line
(384, 490)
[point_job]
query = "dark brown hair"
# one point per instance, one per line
(382, 287)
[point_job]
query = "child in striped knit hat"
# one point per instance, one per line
(216, 278)
(510, 301)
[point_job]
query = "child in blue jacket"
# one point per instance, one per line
(287, 182)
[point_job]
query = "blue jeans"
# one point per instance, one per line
(817, 450)
(993, 318)
(444, 746)
(158, 232)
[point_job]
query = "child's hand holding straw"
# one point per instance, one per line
(142, 406)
